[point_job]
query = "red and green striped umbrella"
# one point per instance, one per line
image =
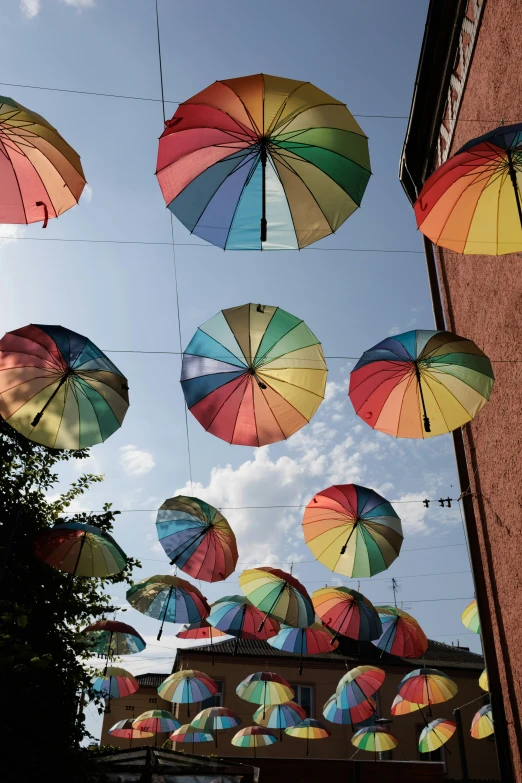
(427, 686)
(124, 730)
(401, 633)
(80, 550)
(253, 737)
(374, 739)
(436, 734)
(348, 613)
(187, 687)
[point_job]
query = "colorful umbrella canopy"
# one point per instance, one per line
(280, 716)
(41, 175)
(110, 638)
(58, 389)
(265, 688)
(308, 729)
(350, 715)
(352, 530)
(427, 686)
(215, 719)
(305, 641)
(169, 599)
(482, 723)
(156, 721)
(401, 633)
(235, 615)
(347, 612)
(80, 550)
(187, 687)
(470, 617)
(436, 734)
(472, 204)
(262, 162)
(484, 681)
(201, 630)
(115, 683)
(187, 733)
(124, 730)
(197, 538)
(253, 375)
(253, 737)
(421, 383)
(279, 595)
(374, 739)
(357, 685)
(402, 706)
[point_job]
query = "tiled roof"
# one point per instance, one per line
(151, 680)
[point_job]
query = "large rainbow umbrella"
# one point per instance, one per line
(436, 734)
(308, 729)
(402, 706)
(305, 641)
(115, 683)
(169, 599)
(374, 739)
(401, 633)
(262, 163)
(253, 374)
(421, 383)
(80, 550)
(124, 730)
(235, 615)
(280, 716)
(470, 617)
(187, 733)
(279, 594)
(157, 722)
(265, 688)
(197, 538)
(357, 685)
(215, 719)
(482, 723)
(41, 175)
(108, 638)
(350, 715)
(253, 737)
(347, 613)
(58, 389)
(472, 203)
(427, 686)
(187, 687)
(352, 530)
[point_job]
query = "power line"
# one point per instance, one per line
(247, 508)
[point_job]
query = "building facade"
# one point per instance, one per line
(469, 82)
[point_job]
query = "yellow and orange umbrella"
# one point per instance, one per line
(482, 723)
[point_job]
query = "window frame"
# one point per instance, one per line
(297, 687)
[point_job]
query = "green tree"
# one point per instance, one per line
(43, 664)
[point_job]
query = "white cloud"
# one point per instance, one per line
(10, 233)
(136, 462)
(87, 194)
(413, 515)
(79, 3)
(30, 8)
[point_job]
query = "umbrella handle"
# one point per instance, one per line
(263, 196)
(280, 593)
(46, 212)
(158, 637)
(513, 176)
(65, 377)
(427, 426)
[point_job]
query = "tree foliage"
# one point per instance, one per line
(43, 665)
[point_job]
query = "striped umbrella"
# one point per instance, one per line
(436, 734)
(305, 641)
(80, 550)
(41, 175)
(347, 613)
(352, 530)
(357, 685)
(280, 716)
(374, 739)
(187, 733)
(253, 375)
(351, 715)
(197, 538)
(482, 723)
(265, 688)
(115, 683)
(308, 729)
(427, 686)
(202, 630)
(157, 722)
(215, 719)
(124, 730)
(169, 598)
(401, 706)
(484, 681)
(470, 617)
(58, 389)
(187, 687)
(279, 595)
(401, 633)
(253, 737)
(236, 616)
(108, 638)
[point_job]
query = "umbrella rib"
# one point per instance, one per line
(283, 162)
(307, 108)
(260, 363)
(247, 112)
(326, 149)
(250, 132)
(294, 385)
(273, 125)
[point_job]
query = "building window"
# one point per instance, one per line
(129, 707)
(304, 696)
(153, 701)
(217, 699)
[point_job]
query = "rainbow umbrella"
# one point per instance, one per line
(352, 530)
(482, 723)
(169, 598)
(124, 730)
(114, 683)
(351, 715)
(279, 595)
(472, 203)
(305, 641)
(236, 616)
(253, 375)
(188, 733)
(157, 722)
(436, 734)
(265, 688)
(374, 739)
(197, 538)
(253, 737)
(470, 617)
(308, 729)
(421, 383)
(187, 687)
(41, 175)
(401, 633)
(347, 612)
(108, 638)
(58, 389)
(280, 716)
(484, 681)
(80, 550)
(262, 162)
(202, 630)
(427, 686)
(215, 719)
(357, 685)
(401, 706)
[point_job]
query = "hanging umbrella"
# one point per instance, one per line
(169, 599)
(188, 733)
(253, 375)
(124, 730)
(352, 530)
(262, 162)
(157, 722)
(308, 729)
(470, 617)
(357, 685)
(482, 723)
(215, 719)
(401, 633)
(115, 683)
(280, 716)
(347, 612)
(351, 715)
(41, 175)
(472, 203)
(421, 383)
(402, 706)
(187, 687)
(58, 389)
(197, 538)
(436, 734)
(253, 737)
(279, 595)
(108, 638)
(235, 615)
(80, 550)
(484, 681)
(306, 641)
(427, 686)
(374, 739)
(202, 630)
(265, 688)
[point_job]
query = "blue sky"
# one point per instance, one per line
(122, 295)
